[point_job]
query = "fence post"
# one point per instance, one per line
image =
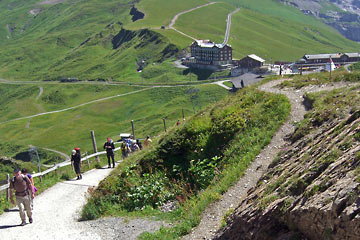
(56, 172)
(94, 144)
(87, 159)
(133, 129)
(164, 124)
(8, 190)
(39, 169)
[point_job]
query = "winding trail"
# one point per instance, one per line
(74, 107)
(56, 211)
(173, 21)
(211, 218)
(228, 26)
(40, 93)
(67, 157)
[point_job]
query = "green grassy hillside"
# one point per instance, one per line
(76, 38)
(62, 131)
(206, 23)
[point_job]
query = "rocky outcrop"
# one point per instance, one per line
(311, 190)
(344, 16)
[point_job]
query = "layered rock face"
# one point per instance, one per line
(343, 15)
(311, 191)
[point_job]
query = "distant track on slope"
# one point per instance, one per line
(74, 107)
(228, 26)
(40, 93)
(173, 21)
(67, 157)
(102, 99)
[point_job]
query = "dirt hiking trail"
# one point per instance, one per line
(211, 218)
(57, 211)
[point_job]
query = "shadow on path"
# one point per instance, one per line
(11, 210)
(8, 226)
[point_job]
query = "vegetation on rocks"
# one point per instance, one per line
(194, 163)
(313, 179)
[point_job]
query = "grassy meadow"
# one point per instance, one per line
(65, 130)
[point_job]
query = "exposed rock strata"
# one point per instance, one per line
(311, 191)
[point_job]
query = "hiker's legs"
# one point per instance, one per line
(108, 157)
(24, 202)
(113, 160)
(19, 203)
(27, 204)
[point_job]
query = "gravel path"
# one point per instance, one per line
(228, 26)
(56, 214)
(173, 21)
(40, 92)
(221, 84)
(213, 215)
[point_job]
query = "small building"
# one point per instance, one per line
(251, 62)
(206, 52)
(245, 80)
(337, 58)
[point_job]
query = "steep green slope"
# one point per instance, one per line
(193, 163)
(160, 12)
(282, 40)
(206, 23)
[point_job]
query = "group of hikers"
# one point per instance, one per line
(23, 184)
(128, 145)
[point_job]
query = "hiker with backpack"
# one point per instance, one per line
(125, 149)
(147, 141)
(76, 162)
(25, 172)
(23, 194)
(109, 147)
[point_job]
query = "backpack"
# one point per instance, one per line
(124, 147)
(28, 184)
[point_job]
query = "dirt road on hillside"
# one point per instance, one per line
(211, 218)
(57, 210)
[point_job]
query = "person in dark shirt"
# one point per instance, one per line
(109, 146)
(76, 162)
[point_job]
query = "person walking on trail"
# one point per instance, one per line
(125, 149)
(76, 162)
(23, 194)
(178, 123)
(147, 141)
(109, 147)
(25, 172)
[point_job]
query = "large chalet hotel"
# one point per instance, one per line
(205, 53)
